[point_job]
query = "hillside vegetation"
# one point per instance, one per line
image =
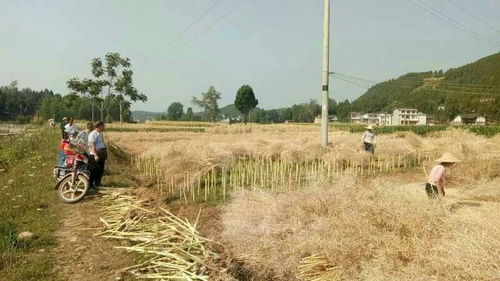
(473, 88)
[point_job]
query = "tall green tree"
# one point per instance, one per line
(208, 102)
(189, 116)
(245, 101)
(112, 79)
(175, 111)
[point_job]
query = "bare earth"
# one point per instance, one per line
(81, 255)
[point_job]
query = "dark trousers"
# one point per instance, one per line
(96, 171)
(431, 190)
(369, 147)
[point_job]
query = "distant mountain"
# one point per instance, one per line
(474, 87)
(144, 115)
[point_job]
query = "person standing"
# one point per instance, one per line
(71, 128)
(83, 136)
(436, 180)
(98, 154)
(63, 127)
(368, 140)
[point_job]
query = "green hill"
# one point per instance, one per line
(229, 111)
(474, 87)
(143, 115)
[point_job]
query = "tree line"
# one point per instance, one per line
(22, 105)
(107, 95)
(244, 109)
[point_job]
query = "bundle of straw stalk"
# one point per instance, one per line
(172, 248)
(317, 268)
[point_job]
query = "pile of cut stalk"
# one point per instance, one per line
(171, 248)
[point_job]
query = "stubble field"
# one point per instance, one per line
(283, 208)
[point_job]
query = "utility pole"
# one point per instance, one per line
(326, 66)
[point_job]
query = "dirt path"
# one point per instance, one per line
(80, 254)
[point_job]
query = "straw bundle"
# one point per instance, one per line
(317, 268)
(172, 248)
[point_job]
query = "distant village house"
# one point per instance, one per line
(469, 119)
(331, 118)
(399, 117)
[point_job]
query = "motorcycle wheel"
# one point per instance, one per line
(72, 194)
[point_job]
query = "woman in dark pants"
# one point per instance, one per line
(435, 182)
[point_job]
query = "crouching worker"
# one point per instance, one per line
(98, 154)
(436, 180)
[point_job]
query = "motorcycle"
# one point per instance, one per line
(72, 178)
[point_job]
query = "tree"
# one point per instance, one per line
(208, 102)
(175, 111)
(189, 116)
(112, 80)
(245, 101)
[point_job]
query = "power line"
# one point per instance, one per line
(351, 82)
(217, 21)
(437, 13)
(184, 31)
(213, 24)
(354, 77)
(444, 83)
(473, 15)
(409, 81)
(407, 86)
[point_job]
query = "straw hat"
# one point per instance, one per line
(369, 127)
(447, 158)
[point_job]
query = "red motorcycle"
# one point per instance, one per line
(72, 178)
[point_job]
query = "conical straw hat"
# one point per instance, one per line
(369, 127)
(447, 158)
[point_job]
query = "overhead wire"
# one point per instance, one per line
(184, 31)
(478, 18)
(407, 86)
(236, 7)
(437, 13)
(197, 35)
(409, 81)
(351, 82)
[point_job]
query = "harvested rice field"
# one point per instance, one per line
(266, 202)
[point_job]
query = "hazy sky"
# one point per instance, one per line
(273, 45)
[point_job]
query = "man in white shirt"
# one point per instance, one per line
(70, 128)
(368, 140)
(98, 154)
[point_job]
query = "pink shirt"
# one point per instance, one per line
(437, 175)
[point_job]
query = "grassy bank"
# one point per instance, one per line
(28, 203)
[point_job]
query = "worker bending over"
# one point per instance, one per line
(436, 181)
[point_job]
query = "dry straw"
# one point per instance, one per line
(182, 164)
(171, 248)
(346, 231)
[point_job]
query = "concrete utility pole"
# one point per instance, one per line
(326, 66)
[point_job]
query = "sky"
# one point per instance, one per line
(179, 48)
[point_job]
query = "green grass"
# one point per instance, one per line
(487, 131)
(28, 202)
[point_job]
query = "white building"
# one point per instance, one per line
(331, 118)
(355, 117)
(408, 116)
(469, 119)
(370, 118)
(399, 117)
(384, 119)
